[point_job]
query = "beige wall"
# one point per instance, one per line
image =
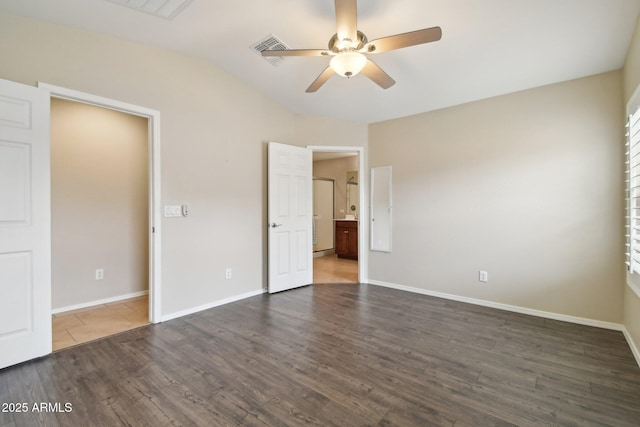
(526, 186)
(632, 317)
(631, 75)
(337, 169)
(485, 185)
(99, 203)
(631, 71)
(214, 133)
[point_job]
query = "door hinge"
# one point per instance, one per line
(153, 229)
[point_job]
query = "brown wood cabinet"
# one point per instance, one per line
(347, 239)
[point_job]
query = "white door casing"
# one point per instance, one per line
(25, 224)
(290, 214)
(363, 194)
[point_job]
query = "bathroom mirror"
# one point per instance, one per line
(381, 209)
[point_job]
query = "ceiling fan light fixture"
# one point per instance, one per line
(348, 64)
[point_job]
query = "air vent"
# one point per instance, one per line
(270, 43)
(167, 9)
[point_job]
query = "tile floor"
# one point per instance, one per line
(331, 269)
(80, 326)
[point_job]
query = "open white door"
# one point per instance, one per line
(25, 229)
(290, 217)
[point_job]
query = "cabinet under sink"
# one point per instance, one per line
(347, 239)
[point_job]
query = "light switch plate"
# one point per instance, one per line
(172, 211)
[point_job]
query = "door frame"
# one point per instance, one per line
(155, 210)
(363, 216)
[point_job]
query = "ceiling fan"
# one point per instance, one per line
(348, 46)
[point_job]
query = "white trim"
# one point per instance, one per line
(99, 101)
(320, 254)
(632, 344)
(155, 212)
(633, 105)
(506, 307)
(363, 217)
(155, 220)
(99, 302)
(213, 304)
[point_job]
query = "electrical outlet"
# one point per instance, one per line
(100, 274)
(227, 273)
(483, 276)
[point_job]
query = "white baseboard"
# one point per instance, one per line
(521, 310)
(207, 306)
(98, 302)
(326, 252)
(506, 307)
(632, 344)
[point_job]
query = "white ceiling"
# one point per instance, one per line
(488, 47)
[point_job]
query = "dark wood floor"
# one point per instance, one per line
(337, 355)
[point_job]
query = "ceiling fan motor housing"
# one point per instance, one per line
(336, 45)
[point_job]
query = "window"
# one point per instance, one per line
(632, 171)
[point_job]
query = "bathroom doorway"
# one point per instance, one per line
(336, 217)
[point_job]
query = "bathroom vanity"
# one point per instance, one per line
(347, 238)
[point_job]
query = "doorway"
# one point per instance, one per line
(336, 217)
(119, 289)
(290, 215)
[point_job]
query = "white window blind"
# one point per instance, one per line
(633, 192)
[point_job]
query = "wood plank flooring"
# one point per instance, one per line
(331, 269)
(337, 354)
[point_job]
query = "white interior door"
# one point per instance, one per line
(290, 217)
(25, 225)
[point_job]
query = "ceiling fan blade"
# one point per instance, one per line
(399, 41)
(346, 20)
(321, 79)
(376, 74)
(297, 52)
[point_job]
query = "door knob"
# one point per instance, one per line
(274, 225)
